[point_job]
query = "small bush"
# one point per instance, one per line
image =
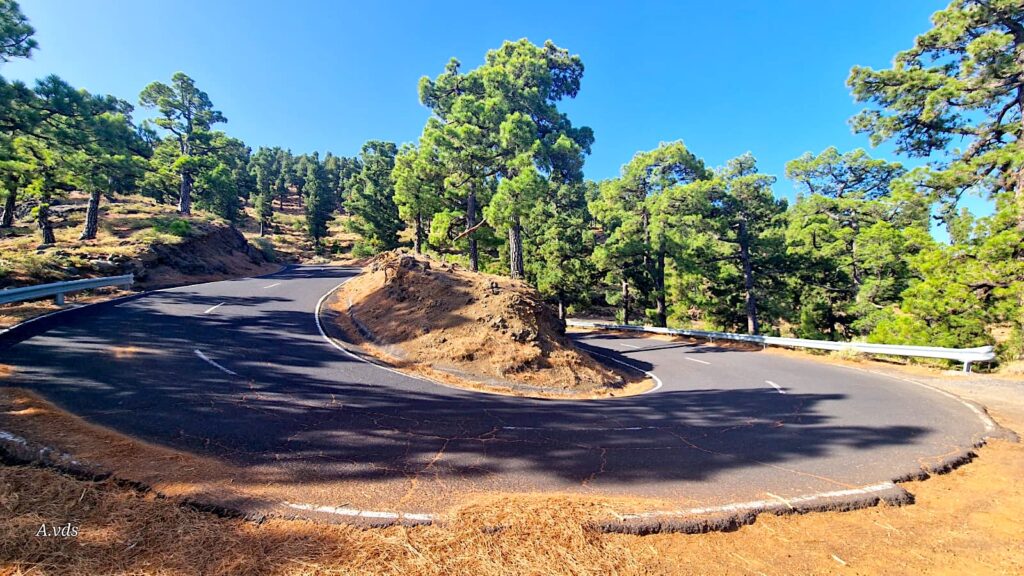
(364, 249)
(174, 226)
(266, 246)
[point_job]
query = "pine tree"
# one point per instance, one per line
(372, 205)
(319, 202)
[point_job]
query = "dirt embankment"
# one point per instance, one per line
(213, 252)
(480, 326)
(135, 236)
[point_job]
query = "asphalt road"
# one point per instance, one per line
(239, 371)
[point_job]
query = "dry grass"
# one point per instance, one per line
(127, 227)
(124, 532)
(965, 522)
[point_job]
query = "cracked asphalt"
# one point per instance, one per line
(238, 371)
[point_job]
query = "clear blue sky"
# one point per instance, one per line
(726, 78)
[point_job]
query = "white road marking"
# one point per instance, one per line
(614, 429)
(695, 360)
(212, 308)
(657, 381)
(214, 364)
(319, 327)
(631, 346)
(272, 285)
(986, 420)
(766, 505)
(776, 386)
(355, 512)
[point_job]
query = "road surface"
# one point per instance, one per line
(239, 371)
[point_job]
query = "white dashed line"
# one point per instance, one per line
(697, 361)
(631, 346)
(272, 285)
(776, 386)
(214, 364)
(212, 308)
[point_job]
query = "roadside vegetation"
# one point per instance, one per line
(496, 182)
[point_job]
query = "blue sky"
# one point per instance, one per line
(726, 78)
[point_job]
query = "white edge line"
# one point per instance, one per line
(319, 326)
(214, 364)
(64, 457)
(357, 513)
(763, 505)
(986, 420)
(657, 381)
(212, 308)
(766, 504)
(776, 386)
(585, 428)
(69, 308)
(695, 360)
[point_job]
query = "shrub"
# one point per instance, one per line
(266, 246)
(174, 226)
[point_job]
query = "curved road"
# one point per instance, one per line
(239, 371)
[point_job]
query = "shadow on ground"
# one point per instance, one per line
(298, 404)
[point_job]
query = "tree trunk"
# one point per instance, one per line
(748, 281)
(43, 220)
(1018, 189)
(625, 300)
(9, 205)
(92, 216)
(515, 250)
(417, 240)
(1018, 196)
(185, 199)
(474, 261)
(661, 312)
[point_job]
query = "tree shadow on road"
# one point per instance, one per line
(297, 404)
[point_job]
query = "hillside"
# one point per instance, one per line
(136, 236)
(481, 326)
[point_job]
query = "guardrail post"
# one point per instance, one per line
(967, 366)
(59, 298)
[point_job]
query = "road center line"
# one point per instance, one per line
(697, 361)
(272, 285)
(212, 308)
(631, 346)
(214, 364)
(776, 386)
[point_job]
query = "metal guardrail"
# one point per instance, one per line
(965, 355)
(58, 289)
